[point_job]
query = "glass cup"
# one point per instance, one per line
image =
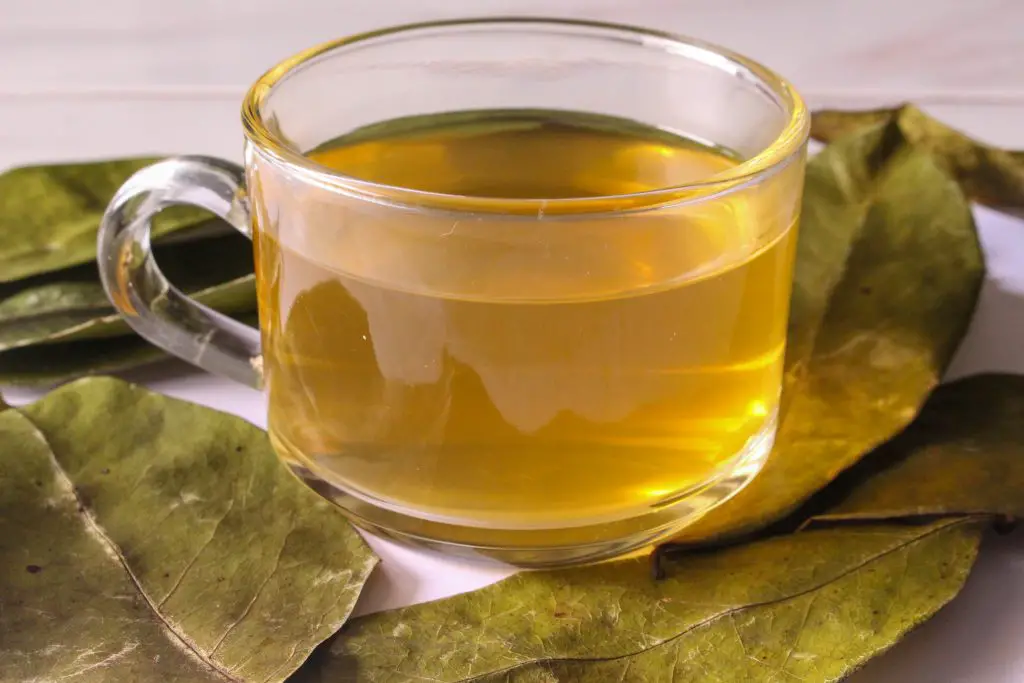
(545, 380)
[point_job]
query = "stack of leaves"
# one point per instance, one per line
(168, 544)
(55, 319)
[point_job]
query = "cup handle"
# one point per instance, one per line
(150, 304)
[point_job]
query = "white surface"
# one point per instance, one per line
(120, 77)
(108, 77)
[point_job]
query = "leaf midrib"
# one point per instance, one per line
(948, 524)
(87, 516)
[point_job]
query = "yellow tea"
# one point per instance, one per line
(492, 369)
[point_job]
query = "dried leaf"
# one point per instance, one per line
(217, 273)
(888, 273)
(814, 605)
(48, 221)
(964, 454)
(988, 174)
(50, 364)
(25, 318)
(68, 609)
(57, 331)
(187, 535)
(822, 635)
(829, 125)
(49, 215)
(45, 365)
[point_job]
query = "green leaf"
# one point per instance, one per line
(57, 310)
(829, 125)
(988, 174)
(49, 364)
(51, 332)
(216, 272)
(161, 545)
(888, 273)
(68, 609)
(83, 300)
(822, 635)
(49, 215)
(964, 454)
(45, 365)
(814, 605)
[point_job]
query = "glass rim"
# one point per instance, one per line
(772, 157)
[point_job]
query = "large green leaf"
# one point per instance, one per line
(818, 636)
(964, 454)
(187, 534)
(813, 604)
(888, 272)
(49, 215)
(988, 174)
(68, 608)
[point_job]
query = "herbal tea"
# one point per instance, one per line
(523, 365)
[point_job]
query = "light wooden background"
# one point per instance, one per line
(100, 78)
(109, 77)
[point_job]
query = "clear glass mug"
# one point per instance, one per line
(543, 380)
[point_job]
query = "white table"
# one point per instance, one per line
(120, 77)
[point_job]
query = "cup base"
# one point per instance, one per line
(545, 548)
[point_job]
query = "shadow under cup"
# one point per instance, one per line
(543, 379)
